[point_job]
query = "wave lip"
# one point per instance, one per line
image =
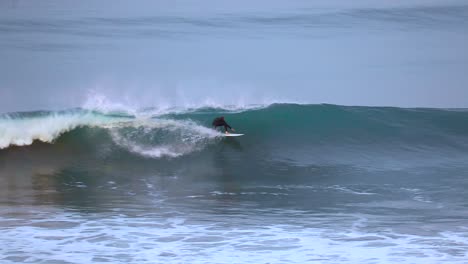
(24, 129)
(102, 104)
(295, 131)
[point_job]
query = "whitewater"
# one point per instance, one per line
(351, 184)
(189, 129)
(354, 117)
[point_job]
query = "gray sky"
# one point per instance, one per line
(59, 54)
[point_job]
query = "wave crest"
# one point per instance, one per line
(24, 129)
(144, 136)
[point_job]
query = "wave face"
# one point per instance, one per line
(145, 136)
(290, 132)
(316, 182)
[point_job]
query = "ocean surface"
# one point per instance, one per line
(58, 54)
(307, 183)
(107, 154)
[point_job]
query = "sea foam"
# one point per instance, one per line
(22, 130)
(144, 136)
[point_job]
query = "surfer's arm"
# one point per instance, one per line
(226, 125)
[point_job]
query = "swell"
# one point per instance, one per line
(363, 124)
(164, 26)
(282, 128)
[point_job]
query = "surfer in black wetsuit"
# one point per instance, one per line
(219, 121)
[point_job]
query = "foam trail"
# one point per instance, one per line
(162, 137)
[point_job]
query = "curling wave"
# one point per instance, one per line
(152, 137)
(285, 129)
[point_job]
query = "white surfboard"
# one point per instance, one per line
(232, 135)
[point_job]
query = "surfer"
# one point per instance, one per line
(219, 121)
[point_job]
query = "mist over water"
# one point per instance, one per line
(107, 153)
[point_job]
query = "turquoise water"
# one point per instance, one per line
(107, 154)
(307, 183)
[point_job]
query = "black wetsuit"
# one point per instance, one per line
(219, 121)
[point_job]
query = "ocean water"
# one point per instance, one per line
(107, 154)
(307, 183)
(193, 53)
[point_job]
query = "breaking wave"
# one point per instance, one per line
(286, 129)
